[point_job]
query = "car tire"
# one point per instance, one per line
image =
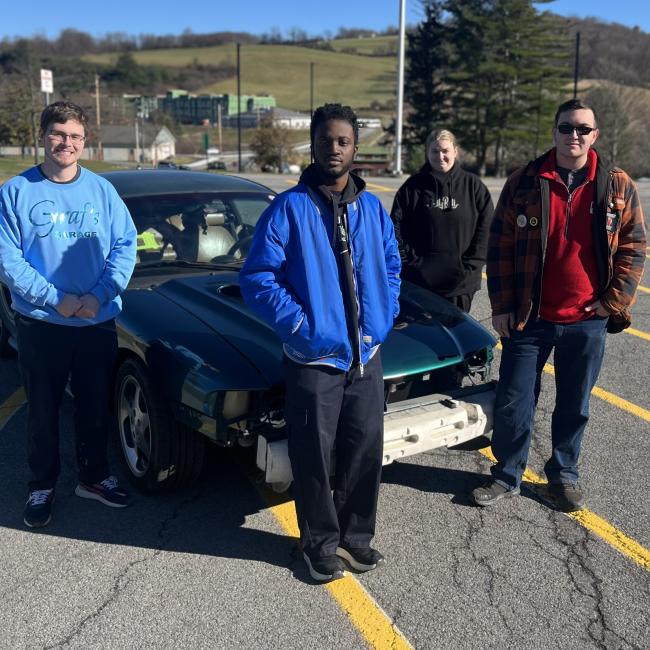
(158, 452)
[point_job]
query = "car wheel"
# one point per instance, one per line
(159, 453)
(7, 325)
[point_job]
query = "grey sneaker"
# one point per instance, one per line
(360, 558)
(568, 497)
(326, 568)
(491, 492)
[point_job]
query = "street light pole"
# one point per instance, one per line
(400, 88)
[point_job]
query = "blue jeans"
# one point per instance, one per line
(579, 349)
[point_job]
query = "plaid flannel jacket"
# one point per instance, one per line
(519, 232)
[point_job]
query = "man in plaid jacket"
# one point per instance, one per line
(565, 257)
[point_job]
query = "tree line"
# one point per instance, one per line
(493, 71)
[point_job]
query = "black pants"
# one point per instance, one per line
(336, 415)
(47, 355)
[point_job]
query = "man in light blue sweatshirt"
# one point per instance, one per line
(67, 251)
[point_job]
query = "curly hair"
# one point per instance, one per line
(334, 112)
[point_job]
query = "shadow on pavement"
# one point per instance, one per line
(209, 519)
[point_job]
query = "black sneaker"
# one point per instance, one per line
(491, 492)
(38, 509)
(568, 497)
(107, 491)
(326, 568)
(361, 558)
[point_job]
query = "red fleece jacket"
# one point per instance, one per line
(570, 279)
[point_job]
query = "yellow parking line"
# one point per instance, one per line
(606, 396)
(597, 525)
(11, 405)
(359, 606)
(639, 333)
(380, 188)
(641, 288)
(291, 182)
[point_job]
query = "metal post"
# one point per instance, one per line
(577, 66)
(219, 128)
(238, 111)
(400, 88)
(137, 141)
(311, 90)
(311, 105)
(100, 148)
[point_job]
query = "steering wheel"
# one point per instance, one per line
(240, 248)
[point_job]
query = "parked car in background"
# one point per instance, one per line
(196, 366)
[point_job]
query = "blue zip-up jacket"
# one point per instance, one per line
(58, 238)
(291, 277)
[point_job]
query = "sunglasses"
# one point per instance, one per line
(566, 129)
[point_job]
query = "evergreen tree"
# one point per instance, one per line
(427, 58)
(508, 63)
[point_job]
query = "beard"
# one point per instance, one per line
(333, 175)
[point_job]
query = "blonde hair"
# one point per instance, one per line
(440, 134)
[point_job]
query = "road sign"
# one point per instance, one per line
(47, 81)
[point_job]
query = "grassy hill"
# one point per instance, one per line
(366, 46)
(283, 71)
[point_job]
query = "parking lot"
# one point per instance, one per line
(216, 566)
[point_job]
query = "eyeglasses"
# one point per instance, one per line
(58, 136)
(566, 129)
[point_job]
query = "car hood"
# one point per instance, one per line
(429, 333)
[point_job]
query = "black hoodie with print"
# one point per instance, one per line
(442, 223)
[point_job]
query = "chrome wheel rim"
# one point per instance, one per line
(134, 425)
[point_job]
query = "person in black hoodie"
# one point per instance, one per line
(442, 220)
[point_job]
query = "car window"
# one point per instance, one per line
(195, 227)
(250, 209)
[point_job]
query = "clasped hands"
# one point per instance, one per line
(85, 306)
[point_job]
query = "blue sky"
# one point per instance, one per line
(256, 16)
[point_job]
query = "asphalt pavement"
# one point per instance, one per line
(211, 567)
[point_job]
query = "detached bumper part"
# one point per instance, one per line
(410, 427)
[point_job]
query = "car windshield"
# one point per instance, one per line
(197, 228)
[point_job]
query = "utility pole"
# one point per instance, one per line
(100, 148)
(238, 111)
(32, 112)
(400, 88)
(219, 128)
(311, 104)
(137, 141)
(577, 67)
(311, 89)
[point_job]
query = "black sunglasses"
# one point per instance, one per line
(566, 129)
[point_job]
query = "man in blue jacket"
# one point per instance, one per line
(67, 251)
(323, 270)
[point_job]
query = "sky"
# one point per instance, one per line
(257, 16)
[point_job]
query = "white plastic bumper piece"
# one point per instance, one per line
(410, 427)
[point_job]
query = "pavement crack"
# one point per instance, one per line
(579, 568)
(122, 579)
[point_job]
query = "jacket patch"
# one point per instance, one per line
(612, 222)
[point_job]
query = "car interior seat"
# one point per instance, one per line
(215, 239)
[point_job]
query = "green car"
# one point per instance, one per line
(195, 365)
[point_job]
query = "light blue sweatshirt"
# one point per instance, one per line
(58, 238)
